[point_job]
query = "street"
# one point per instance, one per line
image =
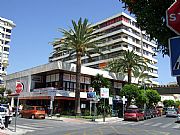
(155, 126)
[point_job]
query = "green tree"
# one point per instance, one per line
(168, 103)
(2, 90)
(151, 17)
(130, 91)
(78, 41)
(177, 103)
(128, 62)
(101, 82)
(153, 97)
(8, 91)
(141, 98)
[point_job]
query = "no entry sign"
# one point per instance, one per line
(173, 17)
(19, 87)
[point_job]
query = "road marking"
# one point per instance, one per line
(127, 122)
(176, 126)
(115, 129)
(148, 123)
(166, 125)
(137, 123)
(26, 127)
(157, 124)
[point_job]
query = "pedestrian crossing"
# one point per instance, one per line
(41, 126)
(31, 127)
(153, 124)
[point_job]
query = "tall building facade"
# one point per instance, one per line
(117, 33)
(6, 27)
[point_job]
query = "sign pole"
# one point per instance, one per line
(104, 112)
(16, 112)
(124, 99)
(94, 110)
(90, 107)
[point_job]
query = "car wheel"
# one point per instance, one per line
(33, 116)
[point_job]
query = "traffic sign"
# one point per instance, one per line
(104, 92)
(19, 87)
(124, 99)
(173, 17)
(174, 50)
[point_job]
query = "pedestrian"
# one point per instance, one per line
(2, 126)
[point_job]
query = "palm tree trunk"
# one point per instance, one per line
(129, 75)
(77, 92)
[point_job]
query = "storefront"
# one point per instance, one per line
(58, 78)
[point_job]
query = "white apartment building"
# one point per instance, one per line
(117, 33)
(6, 27)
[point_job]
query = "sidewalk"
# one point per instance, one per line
(82, 120)
(10, 131)
(19, 131)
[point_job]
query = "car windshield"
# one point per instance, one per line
(131, 111)
(171, 110)
(40, 108)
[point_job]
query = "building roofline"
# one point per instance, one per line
(63, 66)
(9, 21)
(114, 16)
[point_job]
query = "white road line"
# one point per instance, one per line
(139, 123)
(27, 127)
(157, 124)
(176, 126)
(166, 125)
(128, 123)
(148, 123)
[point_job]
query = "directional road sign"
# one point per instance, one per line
(174, 46)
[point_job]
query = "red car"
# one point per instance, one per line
(133, 114)
(33, 112)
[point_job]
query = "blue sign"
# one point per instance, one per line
(91, 94)
(174, 50)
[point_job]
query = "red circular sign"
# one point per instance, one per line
(173, 17)
(19, 87)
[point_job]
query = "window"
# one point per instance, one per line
(6, 49)
(8, 36)
(66, 86)
(8, 30)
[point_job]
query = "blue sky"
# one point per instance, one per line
(37, 22)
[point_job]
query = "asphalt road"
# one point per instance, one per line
(155, 126)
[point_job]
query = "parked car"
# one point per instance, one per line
(33, 112)
(4, 111)
(133, 114)
(171, 112)
(147, 114)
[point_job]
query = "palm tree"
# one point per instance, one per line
(78, 41)
(128, 62)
